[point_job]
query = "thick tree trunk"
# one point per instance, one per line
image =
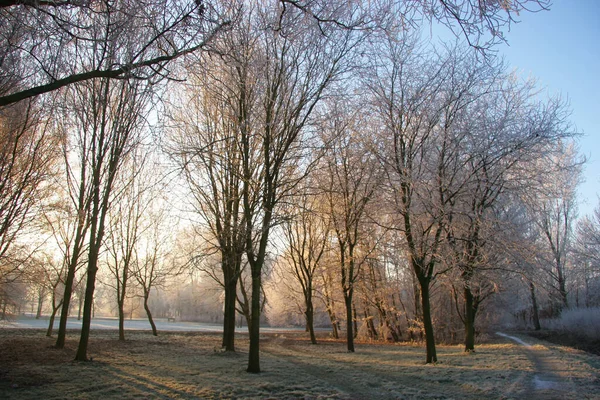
(332, 317)
(87, 306)
(229, 314)
(334, 324)
(534, 305)
(310, 315)
(469, 320)
(562, 287)
(349, 320)
(427, 323)
(66, 302)
(253, 354)
(121, 305)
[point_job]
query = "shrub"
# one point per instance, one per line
(578, 321)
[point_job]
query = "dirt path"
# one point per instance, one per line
(551, 379)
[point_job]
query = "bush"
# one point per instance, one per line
(577, 321)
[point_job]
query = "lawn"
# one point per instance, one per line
(191, 365)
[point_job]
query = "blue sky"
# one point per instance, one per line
(561, 48)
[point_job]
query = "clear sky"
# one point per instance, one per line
(561, 48)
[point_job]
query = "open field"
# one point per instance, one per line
(189, 365)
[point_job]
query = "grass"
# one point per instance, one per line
(190, 365)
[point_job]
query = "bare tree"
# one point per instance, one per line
(554, 209)
(126, 226)
(406, 84)
(29, 151)
(587, 252)
(298, 63)
(271, 74)
(107, 118)
(44, 45)
(307, 233)
(350, 185)
(481, 24)
(209, 123)
(153, 262)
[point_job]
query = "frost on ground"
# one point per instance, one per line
(189, 365)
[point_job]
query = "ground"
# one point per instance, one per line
(191, 365)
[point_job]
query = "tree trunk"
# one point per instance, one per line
(534, 305)
(87, 305)
(81, 300)
(349, 318)
(310, 313)
(334, 324)
(562, 287)
(148, 313)
(372, 332)
(427, 323)
(332, 317)
(53, 316)
(121, 305)
(253, 354)
(40, 304)
(469, 320)
(66, 302)
(229, 314)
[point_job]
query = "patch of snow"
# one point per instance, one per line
(516, 339)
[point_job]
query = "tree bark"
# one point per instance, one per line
(469, 320)
(254, 354)
(148, 313)
(87, 304)
(66, 303)
(427, 323)
(121, 319)
(310, 314)
(534, 305)
(349, 319)
(40, 304)
(52, 317)
(229, 313)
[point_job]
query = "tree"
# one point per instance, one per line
(307, 235)
(126, 226)
(554, 210)
(56, 279)
(405, 85)
(270, 76)
(107, 118)
(45, 44)
(298, 62)
(488, 152)
(153, 265)
(29, 151)
(350, 186)
(587, 251)
(209, 125)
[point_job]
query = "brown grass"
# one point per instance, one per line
(190, 365)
